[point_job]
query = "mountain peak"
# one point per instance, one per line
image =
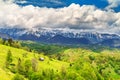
(60, 36)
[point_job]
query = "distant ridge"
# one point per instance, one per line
(4, 36)
(61, 36)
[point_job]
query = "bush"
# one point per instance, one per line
(18, 77)
(91, 57)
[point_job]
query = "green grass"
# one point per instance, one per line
(18, 53)
(5, 75)
(78, 63)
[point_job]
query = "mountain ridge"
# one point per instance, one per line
(62, 36)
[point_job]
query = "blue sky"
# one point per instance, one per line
(62, 3)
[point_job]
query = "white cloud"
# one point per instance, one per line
(77, 17)
(113, 4)
(7, 1)
(55, 1)
(21, 1)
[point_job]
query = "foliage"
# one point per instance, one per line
(8, 59)
(18, 77)
(66, 64)
(47, 49)
(11, 42)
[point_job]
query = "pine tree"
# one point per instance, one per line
(8, 59)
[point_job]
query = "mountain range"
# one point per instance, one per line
(62, 37)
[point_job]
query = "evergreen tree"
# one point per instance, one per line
(10, 41)
(8, 59)
(20, 68)
(1, 41)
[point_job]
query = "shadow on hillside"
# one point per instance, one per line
(49, 49)
(98, 49)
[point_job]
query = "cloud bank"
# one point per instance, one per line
(86, 17)
(113, 4)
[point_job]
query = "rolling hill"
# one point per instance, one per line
(19, 54)
(64, 64)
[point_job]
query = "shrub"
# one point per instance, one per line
(91, 57)
(18, 77)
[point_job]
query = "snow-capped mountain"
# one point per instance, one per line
(62, 36)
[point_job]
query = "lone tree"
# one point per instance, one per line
(10, 41)
(8, 59)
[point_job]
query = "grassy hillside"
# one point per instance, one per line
(60, 63)
(48, 63)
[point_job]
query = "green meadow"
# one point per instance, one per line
(52, 62)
